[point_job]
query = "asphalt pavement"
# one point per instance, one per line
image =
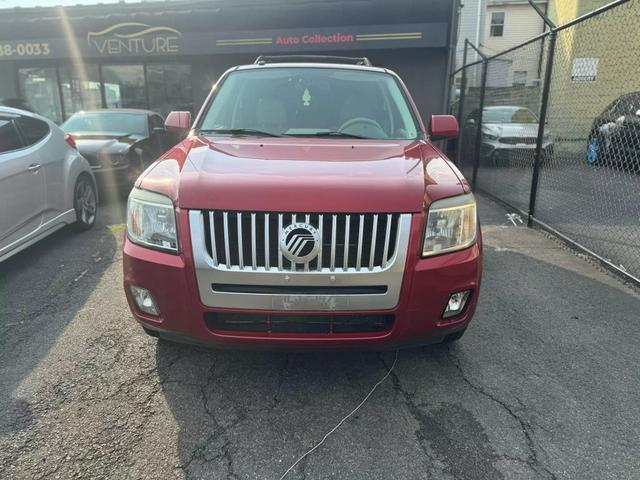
(544, 384)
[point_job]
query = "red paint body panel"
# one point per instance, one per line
(444, 126)
(178, 122)
(303, 174)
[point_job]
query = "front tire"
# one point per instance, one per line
(85, 202)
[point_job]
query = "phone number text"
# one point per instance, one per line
(24, 49)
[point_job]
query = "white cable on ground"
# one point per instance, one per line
(344, 419)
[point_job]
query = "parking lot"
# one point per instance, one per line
(543, 385)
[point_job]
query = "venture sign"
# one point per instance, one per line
(135, 38)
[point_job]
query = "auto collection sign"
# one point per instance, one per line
(134, 39)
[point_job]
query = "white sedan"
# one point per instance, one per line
(45, 183)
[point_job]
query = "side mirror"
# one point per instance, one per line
(178, 122)
(443, 126)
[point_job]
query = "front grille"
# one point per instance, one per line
(320, 324)
(519, 140)
(248, 240)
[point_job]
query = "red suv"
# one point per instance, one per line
(306, 207)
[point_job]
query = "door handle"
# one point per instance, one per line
(34, 167)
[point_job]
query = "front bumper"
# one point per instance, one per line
(417, 317)
(516, 152)
(112, 177)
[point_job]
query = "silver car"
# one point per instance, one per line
(509, 136)
(45, 183)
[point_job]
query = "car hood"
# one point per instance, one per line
(304, 174)
(524, 130)
(109, 144)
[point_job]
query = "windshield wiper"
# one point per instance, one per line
(240, 131)
(332, 134)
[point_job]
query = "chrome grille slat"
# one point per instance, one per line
(374, 235)
(266, 242)
(307, 219)
(320, 223)
(294, 219)
(253, 241)
(334, 219)
(360, 241)
(345, 260)
(250, 241)
(279, 235)
(226, 240)
(387, 237)
(212, 236)
(240, 240)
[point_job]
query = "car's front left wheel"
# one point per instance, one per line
(85, 202)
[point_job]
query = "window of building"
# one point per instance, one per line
(80, 88)
(32, 129)
(520, 77)
(169, 87)
(497, 24)
(40, 87)
(124, 86)
(58, 92)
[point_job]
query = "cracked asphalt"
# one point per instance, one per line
(544, 385)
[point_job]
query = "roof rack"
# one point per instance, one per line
(264, 59)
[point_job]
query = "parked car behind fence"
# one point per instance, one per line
(615, 136)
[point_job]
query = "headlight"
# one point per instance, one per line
(151, 220)
(489, 136)
(451, 225)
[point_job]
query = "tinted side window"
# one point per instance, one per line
(156, 122)
(628, 105)
(33, 130)
(9, 138)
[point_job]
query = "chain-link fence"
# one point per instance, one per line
(552, 128)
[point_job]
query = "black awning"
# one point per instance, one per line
(224, 16)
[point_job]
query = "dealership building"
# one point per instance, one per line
(166, 55)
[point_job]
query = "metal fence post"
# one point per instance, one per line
(541, 126)
(543, 110)
(463, 93)
(478, 145)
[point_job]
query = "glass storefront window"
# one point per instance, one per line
(39, 87)
(124, 86)
(80, 88)
(169, 87)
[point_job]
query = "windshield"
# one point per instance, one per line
(508, 115)
(311, 102)
(627, 105)
(107, 122)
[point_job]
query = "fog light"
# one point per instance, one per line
(457, 302)
(144, 300)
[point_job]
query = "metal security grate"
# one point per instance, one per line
(321, 324)
(248, 240)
